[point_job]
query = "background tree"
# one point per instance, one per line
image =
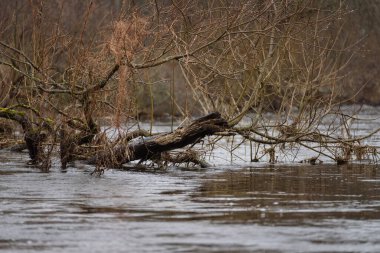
(67, 64)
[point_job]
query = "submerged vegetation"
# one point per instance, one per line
(66, 67)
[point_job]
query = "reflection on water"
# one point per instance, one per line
(288, 195)
(277, 209)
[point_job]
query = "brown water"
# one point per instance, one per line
(230, 209)
(235, 208)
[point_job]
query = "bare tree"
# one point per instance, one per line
(61, 72)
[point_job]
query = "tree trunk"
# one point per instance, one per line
(152, 147)
(32, 137)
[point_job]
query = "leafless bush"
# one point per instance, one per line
(65, 64)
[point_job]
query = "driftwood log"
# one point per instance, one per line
(142, 148)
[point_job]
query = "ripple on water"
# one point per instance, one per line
(282, 209)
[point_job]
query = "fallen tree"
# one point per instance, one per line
(283, 57)
(153, 147)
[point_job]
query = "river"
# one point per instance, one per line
(287, 207)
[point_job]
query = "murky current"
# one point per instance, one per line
(281, 208)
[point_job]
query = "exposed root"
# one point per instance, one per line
(98, 171)
(9, 143)
(184, 157)
(313, 161)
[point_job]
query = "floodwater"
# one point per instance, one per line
(265, 208)
(271, 209)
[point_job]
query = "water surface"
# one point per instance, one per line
(242, 207)
(294, 208)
